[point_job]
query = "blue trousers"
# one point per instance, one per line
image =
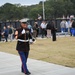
(43, 32)
(73, 31)
(24, 56)
(62, 29)
(6, 38)
(66, 29)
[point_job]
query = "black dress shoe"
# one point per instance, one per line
(22, 71)
(28, 73)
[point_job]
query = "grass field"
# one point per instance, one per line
(60, 52)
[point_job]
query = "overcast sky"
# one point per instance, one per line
(22, 2)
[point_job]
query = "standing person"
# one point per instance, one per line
(5, 33)
(48, 30)
(73, 27)
(67, 26)
(37, 29)
(30, 28)
(53, 30)
(10, 35)
(13, 31)
(34, 30)
(62, 26)
(0, 34)
(43, 27)
(23, 36)
(70, 27)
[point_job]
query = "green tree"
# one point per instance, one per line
(53, 9)
(12, 12)
(33, 14)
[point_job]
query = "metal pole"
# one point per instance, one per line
(43, 10)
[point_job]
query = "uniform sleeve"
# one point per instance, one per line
(19, 33)
(30, 36)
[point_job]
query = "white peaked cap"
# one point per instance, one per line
(23, 20)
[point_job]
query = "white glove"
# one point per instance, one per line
(30, 41)
(23, 31)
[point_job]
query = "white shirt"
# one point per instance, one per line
(43, 25)
(67, 25)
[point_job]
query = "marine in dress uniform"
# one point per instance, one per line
(23, 46)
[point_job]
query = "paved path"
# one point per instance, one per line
(10, 65)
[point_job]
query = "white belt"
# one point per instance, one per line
(23, 40)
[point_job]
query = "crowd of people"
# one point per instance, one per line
(45, 29)
(7, 33)
(68, 26)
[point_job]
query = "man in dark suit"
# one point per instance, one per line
(73, 27)
(53, 30)
(0, 34)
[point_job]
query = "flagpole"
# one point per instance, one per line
(43, 6)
